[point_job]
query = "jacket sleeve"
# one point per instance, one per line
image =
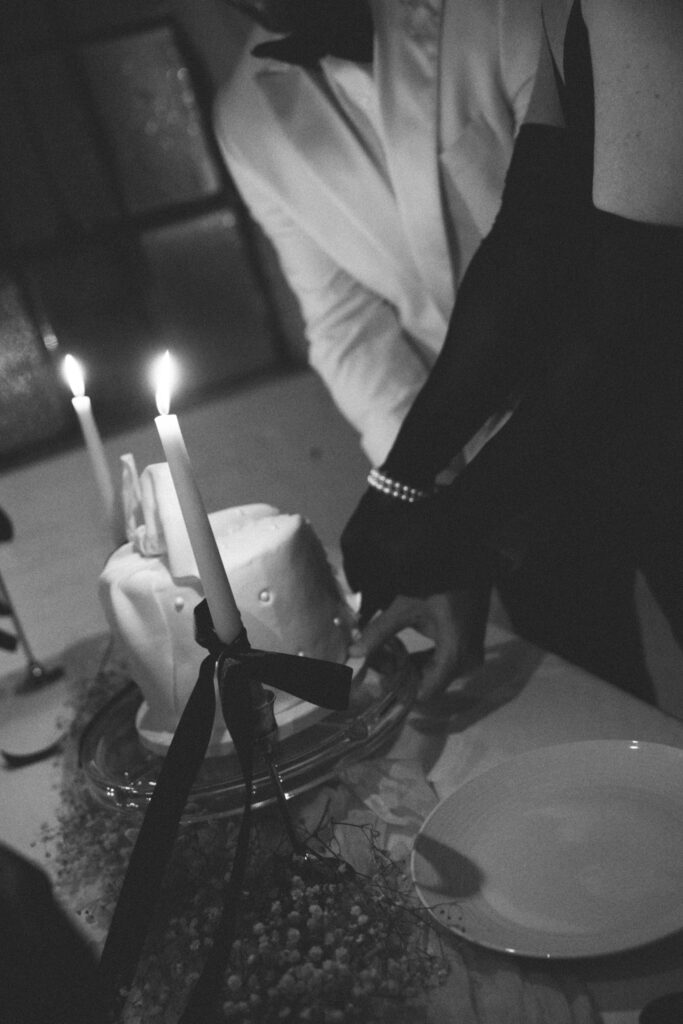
(371, 367)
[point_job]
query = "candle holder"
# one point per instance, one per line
(265, 744)
(36, 674)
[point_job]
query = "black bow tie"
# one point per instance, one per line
(350, 39)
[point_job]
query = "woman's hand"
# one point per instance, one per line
(392, 547)
(454, 620)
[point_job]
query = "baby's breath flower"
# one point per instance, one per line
(331, 949)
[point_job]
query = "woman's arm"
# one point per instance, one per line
(600, 411)
(492, 348)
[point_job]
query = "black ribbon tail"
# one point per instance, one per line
(155, 840)
(325, 683)
(237, 702)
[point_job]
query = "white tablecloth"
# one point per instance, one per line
(521, 700)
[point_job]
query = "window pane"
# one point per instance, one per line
(210, 307)
(28, 214)
(33, 407)
(65, 135)
(150, 113)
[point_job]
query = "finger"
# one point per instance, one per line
(449, 659)
(384, 626)
(369, 606)
(438, 672)
(448, 662)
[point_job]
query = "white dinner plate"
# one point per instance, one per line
(568, 851)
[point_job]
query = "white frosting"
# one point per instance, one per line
(283, 585)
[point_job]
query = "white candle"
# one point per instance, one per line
(93, 442)
(214, 579)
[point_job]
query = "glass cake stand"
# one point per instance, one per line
(121, 772)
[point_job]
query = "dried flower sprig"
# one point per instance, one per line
(331, 948)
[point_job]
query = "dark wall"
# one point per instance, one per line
(120, 230)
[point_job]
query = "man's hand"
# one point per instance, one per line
(454, 620)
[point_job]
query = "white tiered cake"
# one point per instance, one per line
(284, 587)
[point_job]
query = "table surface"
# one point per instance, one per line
(530, 699)
(521, 700)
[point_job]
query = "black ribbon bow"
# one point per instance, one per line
(347, 32)
(241, 673)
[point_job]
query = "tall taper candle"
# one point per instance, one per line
(215, 583)
(93, 442)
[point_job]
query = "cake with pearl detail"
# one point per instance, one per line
(284, 587)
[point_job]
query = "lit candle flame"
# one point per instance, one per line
(73, 374)
(164, 377)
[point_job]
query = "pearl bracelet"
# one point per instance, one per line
(395, 489)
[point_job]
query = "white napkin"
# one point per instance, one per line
(130, 495)
(154, 521)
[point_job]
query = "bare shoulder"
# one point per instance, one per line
(641, 12)
(643, 24)
(636, 48)
(641, 38)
